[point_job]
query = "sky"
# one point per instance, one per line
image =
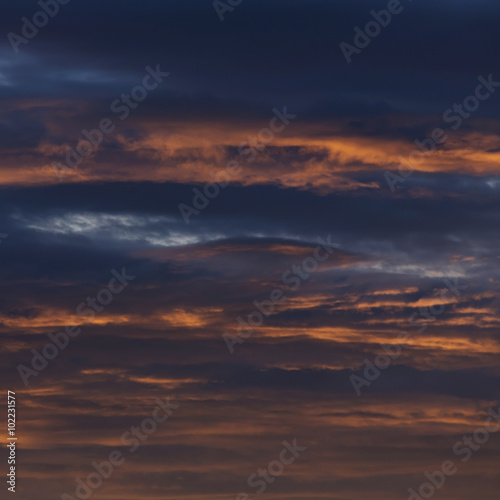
(259, 221)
